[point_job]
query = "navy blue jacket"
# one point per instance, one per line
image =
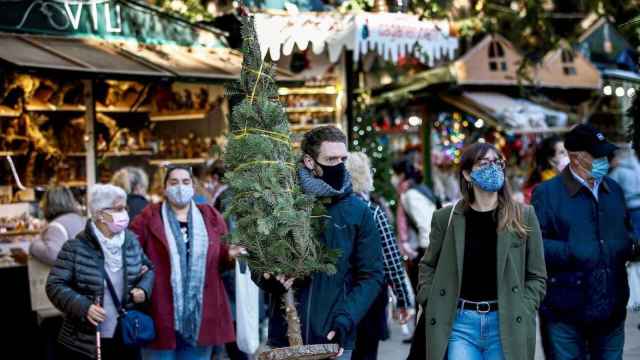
(586, 245)
(343, 298)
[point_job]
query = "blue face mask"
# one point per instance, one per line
(599, 168)
(489, 178)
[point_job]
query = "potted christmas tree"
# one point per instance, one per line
(275, 220)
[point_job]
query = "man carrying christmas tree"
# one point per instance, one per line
(330, 306)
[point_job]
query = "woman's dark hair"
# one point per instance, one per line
(545, 151)
(510, 214)
(217, 169)
(171, 168)
(59, 200)
(404, 166)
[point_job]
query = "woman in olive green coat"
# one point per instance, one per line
(483, 275)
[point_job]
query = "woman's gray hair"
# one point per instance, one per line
(59, 200)
(131, 178)
(103, 196)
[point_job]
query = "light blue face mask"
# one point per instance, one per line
(180, 195)
(489, 178)
(599, 168)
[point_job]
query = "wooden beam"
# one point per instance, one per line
(89, 133)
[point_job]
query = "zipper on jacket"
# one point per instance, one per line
(306, 325)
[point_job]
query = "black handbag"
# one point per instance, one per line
(135, 328)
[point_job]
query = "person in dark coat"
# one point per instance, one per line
(587, 241)
(331, 306)
(191, 313)
(135, 182)
(76, 283)
(373, 327)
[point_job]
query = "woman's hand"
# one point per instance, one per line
(235, 251)
(138, 295)
(96, 314)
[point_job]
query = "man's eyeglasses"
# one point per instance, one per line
(498, 162)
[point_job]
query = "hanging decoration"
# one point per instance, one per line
(391, 35)
(394, 35)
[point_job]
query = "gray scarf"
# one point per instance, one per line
(311, 185)
(187, 274)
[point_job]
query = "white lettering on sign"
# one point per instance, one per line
(65, 14)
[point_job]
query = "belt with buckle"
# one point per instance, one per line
(482, 307)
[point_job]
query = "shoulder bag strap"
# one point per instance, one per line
(112, 291)
(451, 216)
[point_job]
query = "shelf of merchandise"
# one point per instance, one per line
(311, 109)
(6, 111)
(177, 117)
(20, 233)
(75, 154)
(126, 153)
(101, 108)
(36, 105)
(194, 161)
(12, 153)
(41, 106)
(326, 90)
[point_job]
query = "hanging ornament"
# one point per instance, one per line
(365, 30)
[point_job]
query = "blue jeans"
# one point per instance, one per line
(573, 342)
(183, 351)
(475, 336)
(635, 219)
(346, 355)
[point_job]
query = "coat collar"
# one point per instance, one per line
(573, 186)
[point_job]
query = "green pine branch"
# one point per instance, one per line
(276, 221)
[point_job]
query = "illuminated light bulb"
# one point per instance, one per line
(620, 91)
(465, 123)
(631, 92)
(415, 121)
(607, 90)
(479, 123)
(481, 140)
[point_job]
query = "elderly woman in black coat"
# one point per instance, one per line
(77, 283)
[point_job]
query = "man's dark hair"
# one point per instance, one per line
(217, 168)
(313, 139)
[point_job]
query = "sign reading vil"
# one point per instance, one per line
(120, 19)
(62, 16)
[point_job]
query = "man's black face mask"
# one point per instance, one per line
(333, 175)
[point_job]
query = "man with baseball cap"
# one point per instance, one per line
(587, 240)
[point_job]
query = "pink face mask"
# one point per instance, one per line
(120, 221)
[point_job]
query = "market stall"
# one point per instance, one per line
(83, 95)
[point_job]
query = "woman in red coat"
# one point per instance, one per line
(188, 304)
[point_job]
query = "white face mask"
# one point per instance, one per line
(561, 163)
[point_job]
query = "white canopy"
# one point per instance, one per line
(518, 115)
(391, 35)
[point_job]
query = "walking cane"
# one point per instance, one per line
(98, 345)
